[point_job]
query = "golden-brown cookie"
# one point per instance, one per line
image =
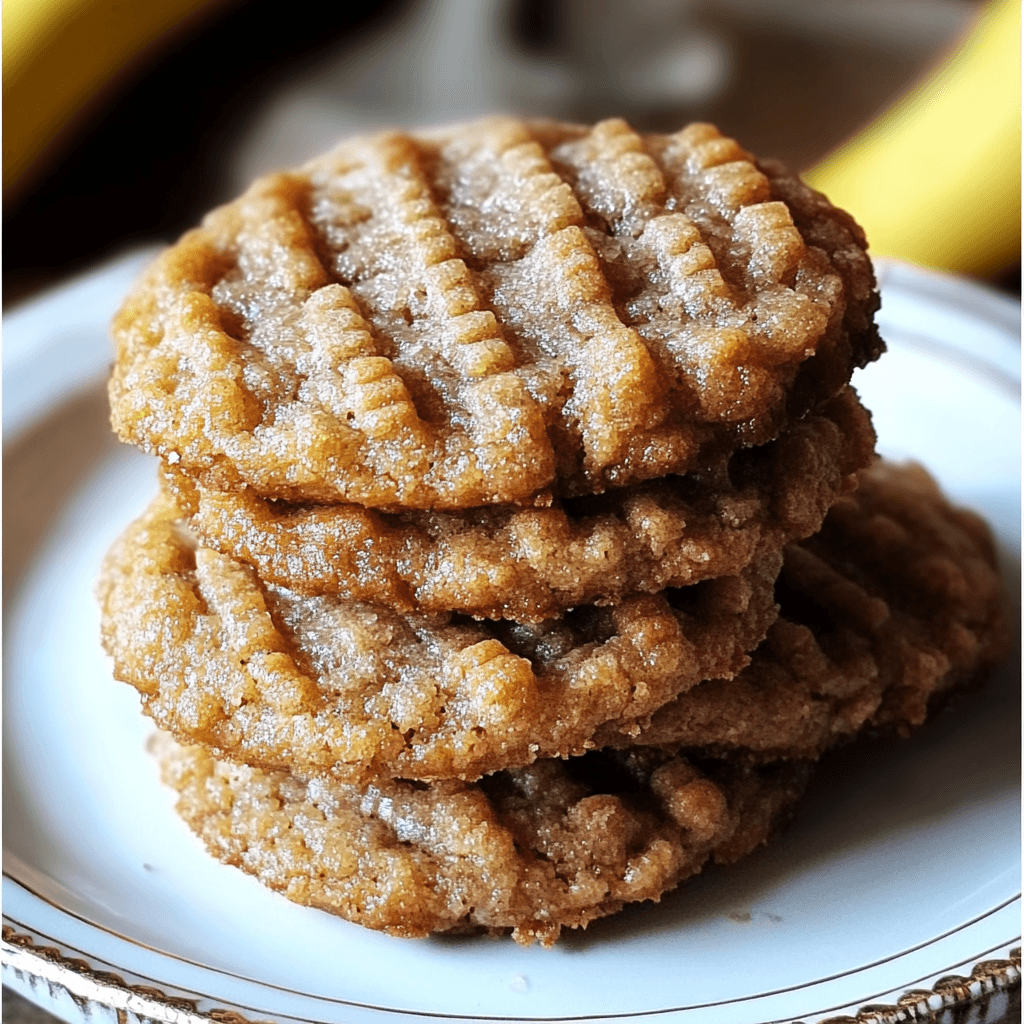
(894, 603)
(311, 684)
(533, 564)
(537, 849)
(475, 315)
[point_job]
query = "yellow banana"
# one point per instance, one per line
(936, 179)
(59, 53)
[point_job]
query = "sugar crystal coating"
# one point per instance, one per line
(476, 315)
(583, 382)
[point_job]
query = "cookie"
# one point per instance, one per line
(274, 679)
(486, 313)
(537, 849)
(893, 604)
(536, 563)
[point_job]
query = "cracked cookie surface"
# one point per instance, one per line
(537, 849)
(894, 603)
(484, 313)
(533, 564)
(271, 678)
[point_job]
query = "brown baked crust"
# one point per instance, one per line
(894, 603)
(535, 849)
(274, 679)
(534, 564)
(475, 315)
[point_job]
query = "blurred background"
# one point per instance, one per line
(126, 122)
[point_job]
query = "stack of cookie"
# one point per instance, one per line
(490, 456)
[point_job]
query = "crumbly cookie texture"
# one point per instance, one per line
(532, 564)
(893, 604)
(537, 849)
(480, 314)
(265, 676)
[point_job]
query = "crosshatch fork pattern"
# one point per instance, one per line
(482, 314)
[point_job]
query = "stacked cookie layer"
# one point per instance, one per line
(483, 450)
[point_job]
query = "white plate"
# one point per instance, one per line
(903, 864)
